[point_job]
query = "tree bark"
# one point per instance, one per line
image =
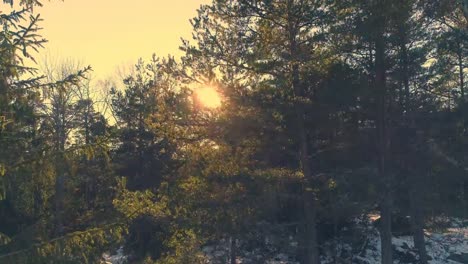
(383, 145)
(405, 73)
(414, 188)
(461, 74)
(312, 255)
(59, 193)
(233, 252)
(417, 224)
(311, 251)
(310, 203)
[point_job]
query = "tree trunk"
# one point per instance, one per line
(386, 228)
(414, 188)
(461, 74)
(60, 165)
(311, 251)
(417, 224)
(59, 197)
(463, 199)
(383, 145)
(312, 255)
(233, 252)
(405, 73)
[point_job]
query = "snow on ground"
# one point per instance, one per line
(444, 247)
(361, 245)
(117, 258)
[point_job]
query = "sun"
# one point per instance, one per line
(208, 97)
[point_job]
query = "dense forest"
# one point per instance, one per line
(324, 115)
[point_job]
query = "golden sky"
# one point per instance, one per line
(110, 33)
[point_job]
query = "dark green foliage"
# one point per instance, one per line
(144, 112)
(330, 109)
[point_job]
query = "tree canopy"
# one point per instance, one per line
(323, 113)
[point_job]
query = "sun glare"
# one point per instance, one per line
(208, 97)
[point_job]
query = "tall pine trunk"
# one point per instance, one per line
(233, 252)
(59, 196)
(60, 166)
(417, 221)
(461, 73)
(309, 199)
(312, 255)
(417, 224)
(383, 146)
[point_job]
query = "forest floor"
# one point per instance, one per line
(359, 244)
(356, 244)
(444, 246)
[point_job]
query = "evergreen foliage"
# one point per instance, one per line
(331, 111)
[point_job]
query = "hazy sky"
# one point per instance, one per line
(109, 33)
